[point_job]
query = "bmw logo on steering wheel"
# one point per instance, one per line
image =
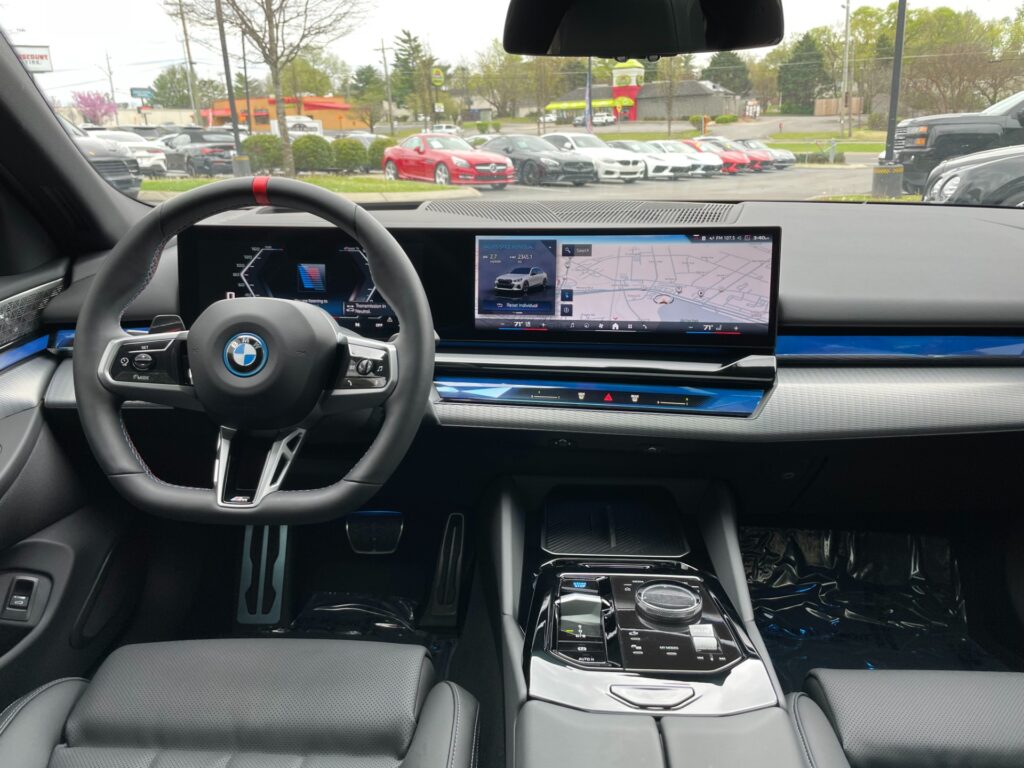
(245, 354)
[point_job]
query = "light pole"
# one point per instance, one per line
(846, 122)
(387, 88)
(248, 101)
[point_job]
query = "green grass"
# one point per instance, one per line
(869, 199)
(860, 135)
(333, 183)
(843, 146)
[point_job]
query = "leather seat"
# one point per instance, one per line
(274, 703)
(906, 719)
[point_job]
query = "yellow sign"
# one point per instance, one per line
(437, 77)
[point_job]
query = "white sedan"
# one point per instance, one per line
(659, 165)
(151, 157)
(610, 163)
(704, 163)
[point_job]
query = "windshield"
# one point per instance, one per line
(520, 271)
(374, 73)
(531, 143)
(446, 142)
(586, 141)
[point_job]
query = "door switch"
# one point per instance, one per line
(19, 598)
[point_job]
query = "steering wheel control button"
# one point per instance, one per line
(142, 361)
(146, 361)
(653, 696)
(245, 354)
(364, 367)
(668, 603)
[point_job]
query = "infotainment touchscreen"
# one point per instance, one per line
(715, 284)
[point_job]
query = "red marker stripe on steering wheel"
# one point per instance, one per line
(259, 190)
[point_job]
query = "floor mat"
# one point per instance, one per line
(857, 601)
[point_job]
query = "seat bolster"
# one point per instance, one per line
(33, 725)
(819, 742)
(448, 730)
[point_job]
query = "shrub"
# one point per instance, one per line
(726, 119)
(819, 158)
(496, 127)
(375, 154)
(697, 121)
(482, 126)
(877, 121)
(349, 155)
(312, 153)
(264, 151)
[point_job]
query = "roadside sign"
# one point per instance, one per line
(36, 58)
(439, 108)
(141, 93)
(437, 77)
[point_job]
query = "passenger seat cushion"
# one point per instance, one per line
(904, 719)
(285, 696)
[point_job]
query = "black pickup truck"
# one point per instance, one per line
(921, 143)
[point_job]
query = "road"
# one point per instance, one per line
(791, 184)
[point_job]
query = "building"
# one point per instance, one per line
(332, 111)
(689, 97)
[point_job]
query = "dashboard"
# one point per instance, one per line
(704, 289)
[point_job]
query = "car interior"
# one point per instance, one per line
(290, 481)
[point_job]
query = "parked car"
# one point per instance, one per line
(610, 163)
(152, 132)
(446, 159)
(199, 151)
(732, 161)
(521, 280)
(363, 137)
(547, 117)
(150, 156)
(921, 143)
(478, 139)
(447, 128)
(603, 118)
(113, 161)
(757, 159)
(537, 162)
(781, 158)
(657, 164)
(992, 177)
(704, 163)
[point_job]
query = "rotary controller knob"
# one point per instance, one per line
(665, 603)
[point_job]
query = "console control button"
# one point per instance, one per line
(705, 644)
(652, 696)
(668, 603)
(587, 653)
(702, 630)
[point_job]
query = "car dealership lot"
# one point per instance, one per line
(793, 183)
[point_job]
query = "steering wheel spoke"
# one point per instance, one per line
(152, 368)
(240, 478)
(368, 376)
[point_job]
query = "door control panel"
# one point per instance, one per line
(641, 623)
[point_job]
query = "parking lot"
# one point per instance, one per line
(791, 184)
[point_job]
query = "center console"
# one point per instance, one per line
(644, 636)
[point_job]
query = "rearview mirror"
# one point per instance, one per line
(420, 149)
(611, 29)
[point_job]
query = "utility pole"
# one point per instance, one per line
(110, 80)
(245, 74)
(588, 109)
(387, 88)
(218, 10)
(846, 122)
(190, 70)
(897, 74)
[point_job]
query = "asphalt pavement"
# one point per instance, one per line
(801, 183)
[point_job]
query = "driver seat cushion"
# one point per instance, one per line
(266, 703)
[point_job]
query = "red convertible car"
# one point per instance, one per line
(447, 160)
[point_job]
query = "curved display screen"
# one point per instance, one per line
(698, 284)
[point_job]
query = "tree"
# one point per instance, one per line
(170, 89)
(410, 72)
(94, 106)
(301, 77)
(256, 87)
(501, 78)
(368, 95)
(801, 76)
(728, 70)
(282, 31)
(671, 69)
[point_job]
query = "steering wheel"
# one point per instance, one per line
(257, 366)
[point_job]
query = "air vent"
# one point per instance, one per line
(586, 212)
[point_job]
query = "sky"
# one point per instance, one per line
(141, 40)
